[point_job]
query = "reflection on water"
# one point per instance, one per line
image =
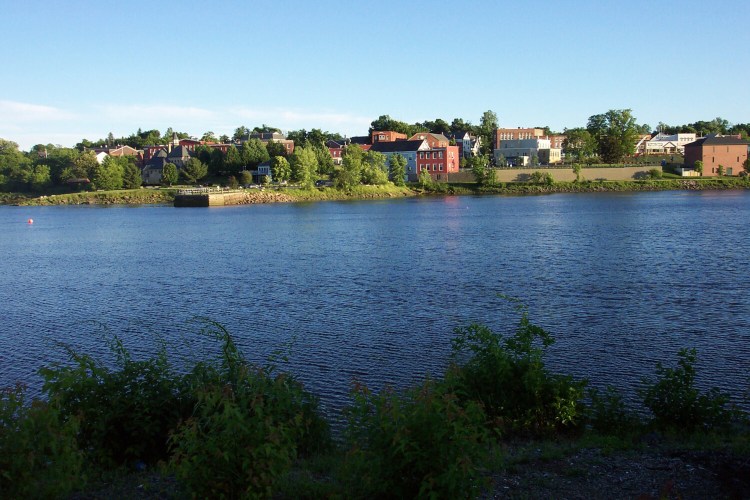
(373, 290)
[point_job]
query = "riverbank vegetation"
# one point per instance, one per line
(227, 427)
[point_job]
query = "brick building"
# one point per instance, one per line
(728, 151)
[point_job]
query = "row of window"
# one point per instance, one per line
(435, 167)
(435, 154)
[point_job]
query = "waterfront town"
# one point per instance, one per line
(434, 150)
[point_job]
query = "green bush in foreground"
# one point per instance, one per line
(609, 415)
(416, 444)
(39, 457)
(125, 413)
(676, 404)
(508, 377)
(248, 427)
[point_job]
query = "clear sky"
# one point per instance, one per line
(82, 69)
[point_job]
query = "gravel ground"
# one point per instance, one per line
(657, 474)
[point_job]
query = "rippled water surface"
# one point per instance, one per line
(372, 290)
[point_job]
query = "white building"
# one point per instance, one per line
(518, 152)
(667, 144)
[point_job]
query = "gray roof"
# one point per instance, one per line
(712, 140)
(397, 146)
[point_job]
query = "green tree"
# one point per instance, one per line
(487, 130)
(109, 174)
(254, 153)
(577, 170)
(303, 165)
(698, 167)
(425, 179)
(397, 174)
(246, 178)
(240, 132)
(746, 165)
(720, 171)
(216, 165)
(350, 174)
(233, 162)
(169, 174)
(483, 174)
(274, 148)
(280, 169)
(209, 137)
(385, 122)
(615, 133)
(534, 161)
(85, 165)
(325, 160)
(194, 170)
(578, 144)
(39, 178)
(374, 169)
(131, 176)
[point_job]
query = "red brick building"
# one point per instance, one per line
(439, 162)
(434, 140)
(729, 151)
(386, 136)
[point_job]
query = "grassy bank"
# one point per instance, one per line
(118, 197)
(289, 194)
(522, 188)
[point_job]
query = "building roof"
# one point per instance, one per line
(179, 152)
(360, 139)
(713, 140)
(397, 146)
(438, 137)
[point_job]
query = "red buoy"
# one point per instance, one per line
(30, 221)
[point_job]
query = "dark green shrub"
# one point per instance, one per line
(608, 413)
(508, 377)
(125, 413)
(248, 427)
(39, 457)
(422, 443)
(676, 404)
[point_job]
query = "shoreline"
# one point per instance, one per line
(146, 196)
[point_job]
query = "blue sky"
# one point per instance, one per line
(82, 69)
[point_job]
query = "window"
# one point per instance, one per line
(440, 154)
(441, 167)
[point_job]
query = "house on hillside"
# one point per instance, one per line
(434, 140)
(266, 137)
(152, 170)
(729, 152)
(468, 145)
(385, 136)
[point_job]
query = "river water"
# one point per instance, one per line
(372, 290)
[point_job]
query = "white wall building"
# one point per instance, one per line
(666, 144)
(518, 152)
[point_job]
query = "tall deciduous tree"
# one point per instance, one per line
(254, 153)
(131, 177)
(169, 174)
(350, 174)
(274, 148)
(397, 165)
(486, 131)
(303, 164)
(233, 162)
(578, 144)
(280, 169)
(109, 174)
(84, 165)
(194, 170)
(374, 169)
(615, 133)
